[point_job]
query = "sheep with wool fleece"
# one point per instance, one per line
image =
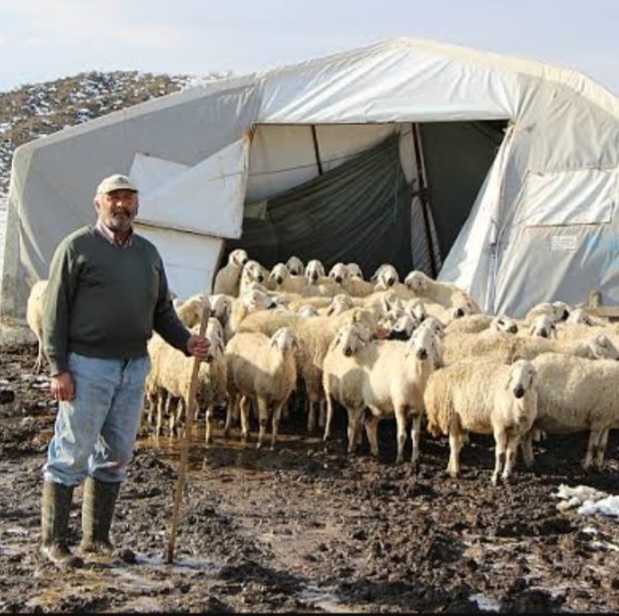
(280, 279)
(314, 337)
(250, 301)
(557, 311)
(263, 370)
(444, 293)
(508, 348)
(576, 394)
(295, 266)
(484, 396)
(342, 379)
(190, 310)
(395, 377)
(34, 318)
(475, 323)
(252, 272)
(174, 372)
(228, 278)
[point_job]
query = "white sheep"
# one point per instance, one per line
(557, 311)
(395, 377)
(228, 278)
(252, 272)
(576, 394)
(261, 370)
(475, 323)
(34, 318)
(280, 279)
(483, 396)
(354, 269)
(250, 301)
(295, 266)
(190, 311)
(444, 293)
(342, 379)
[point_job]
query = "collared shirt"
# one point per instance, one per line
(111, 237)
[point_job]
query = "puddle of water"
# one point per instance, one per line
(327, 601)
(486, 603)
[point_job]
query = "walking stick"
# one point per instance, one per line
(182, 469)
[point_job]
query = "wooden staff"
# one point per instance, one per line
(185, 442)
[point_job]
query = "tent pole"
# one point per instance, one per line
(423, 192)
(317, 149)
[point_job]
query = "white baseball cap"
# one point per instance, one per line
(117, 181)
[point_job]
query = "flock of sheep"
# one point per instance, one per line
(296, 339)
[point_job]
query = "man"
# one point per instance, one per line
(107, 293)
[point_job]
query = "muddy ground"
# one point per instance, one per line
(306, 528)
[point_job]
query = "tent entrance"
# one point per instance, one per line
(369, 194)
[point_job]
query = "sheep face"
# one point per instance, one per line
(416, 309)
(422, 344)
(354, 270)
(314, 270)
(504, 324)
(238, 257)
(522, 377)
(387, 277)
(403, 328)
(390, 302)
(252, 272)
(561, 311)
(349, 339)
(254, 299)
(543, 326)
(295, 266)
(339, 304)
(221, 307)
(307, 311)
(579, 315)
(602, 347)
(417, 282)
(339, 272)
(279, 273)
(284, 339)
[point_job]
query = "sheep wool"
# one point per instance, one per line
(484, 396)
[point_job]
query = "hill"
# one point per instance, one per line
(34, 111)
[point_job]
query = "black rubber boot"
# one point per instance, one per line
(97, 513)
(55, 510)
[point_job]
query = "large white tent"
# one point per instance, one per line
(495, 173)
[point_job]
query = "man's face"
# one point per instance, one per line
(117, 209)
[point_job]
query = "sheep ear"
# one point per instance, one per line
(531, 329)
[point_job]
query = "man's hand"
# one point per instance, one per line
(198, 346)
(62, 387)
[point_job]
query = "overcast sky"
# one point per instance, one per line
(42, 40)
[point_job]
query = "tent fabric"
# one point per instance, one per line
(359, 212)
(319, 114)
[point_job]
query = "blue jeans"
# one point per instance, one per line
(95, 433)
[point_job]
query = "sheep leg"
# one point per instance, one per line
(322, 412)
(354, 425)
(415, 436)
(263, 420)
(244, 405)
(208, 420)
(277, 412)
(371, 429)
(526, 446)
(600, 450)
(596, 437)
(510, 456)
(311, 416)
(500, 444)
(400, 420)
(232, 413)
(329, 418)
(455, 444)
